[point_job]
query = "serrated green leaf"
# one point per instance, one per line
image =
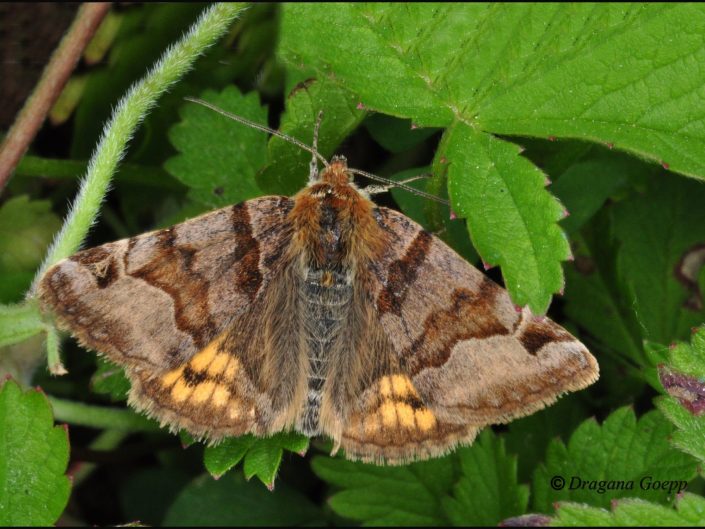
(687, 363)
(689, 511)
(288, 166)
(33, 457)
(231, 501)
(376, 495)
(511, 217)
(690, 433)
(222, 457)
(219, 157)
(262, 455)
(109, 379)
(591, 71)
(615, 85)
(26, 229)
(488, 490)
(656, 230)
(620, 451)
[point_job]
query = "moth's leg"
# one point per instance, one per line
(313, 166)
(377, 189)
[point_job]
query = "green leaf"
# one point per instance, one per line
(590, 71)
(690, 433)
(585, 186)
(219, 157)
(689, 511)
(615, 84)
(488, 490)
(225, 455)
(33, 486)
(288, 167)
(262, 455)
(596, 301)
(621, 451)
(377, 495)
(511, 217)
(232, 501)
(26, 229)
(109, 379)
(656, 230)
(683, 377)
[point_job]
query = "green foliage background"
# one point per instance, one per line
(523, 113)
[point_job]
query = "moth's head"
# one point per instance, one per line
(337, 171)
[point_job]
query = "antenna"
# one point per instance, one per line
(400, 185)
(258, 126)
(314, 150)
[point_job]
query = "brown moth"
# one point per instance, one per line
(321, 313)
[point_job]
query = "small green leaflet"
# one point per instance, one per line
(34, 454)
(689, 511)
(686, 365)
(219, 157)
(262, 455)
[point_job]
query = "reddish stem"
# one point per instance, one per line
(54, 77)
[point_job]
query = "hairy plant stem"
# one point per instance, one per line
(129, 113)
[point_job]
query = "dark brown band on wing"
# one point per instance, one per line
(194, 378)
(537, 334)
(402, 274)
(471, 314)
(172, 273)
(246, 252)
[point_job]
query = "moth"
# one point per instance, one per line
(322, 313)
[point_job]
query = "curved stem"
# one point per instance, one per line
(101, 417)
(128, 114)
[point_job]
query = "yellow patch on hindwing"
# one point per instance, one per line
(203, 380)
(221, 395)
(203, 391)
(181, 391)
(205, 356)
(425, 420)
(399, 407)
(172, 376)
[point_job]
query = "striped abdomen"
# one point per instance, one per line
(325, 297)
